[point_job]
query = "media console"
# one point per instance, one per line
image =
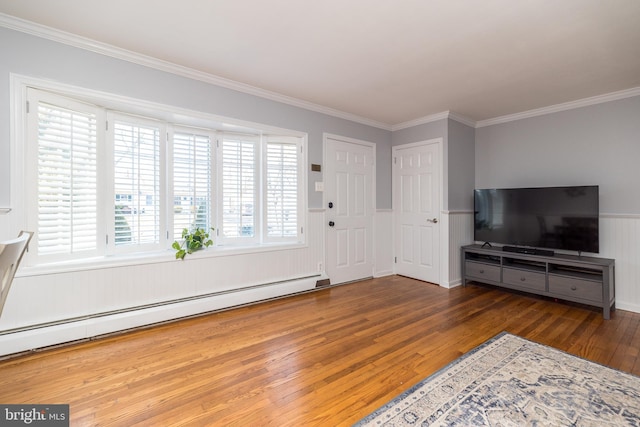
(581, 279)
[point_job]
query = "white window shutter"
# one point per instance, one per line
(136, 183)
(66, 179)
(238, 187)
(282, 188)
(192, 181)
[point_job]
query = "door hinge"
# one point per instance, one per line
(395, 259)
(106, 238)
(27, 107)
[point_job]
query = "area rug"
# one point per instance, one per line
(510, 381)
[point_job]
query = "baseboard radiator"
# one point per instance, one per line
(37, 336)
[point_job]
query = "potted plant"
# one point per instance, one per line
(192, 241)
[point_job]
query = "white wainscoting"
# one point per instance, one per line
(460, 233)
(47, 309)
(384, 246)
(620, 240)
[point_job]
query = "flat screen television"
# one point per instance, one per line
(564, 218)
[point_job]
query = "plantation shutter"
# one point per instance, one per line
(281, 199)
(238, 189)
(192, 182)
(66, 179)
(136, 183)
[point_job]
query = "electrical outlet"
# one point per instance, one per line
(319, 266)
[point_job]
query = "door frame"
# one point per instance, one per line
(443, 235)
(372, 146)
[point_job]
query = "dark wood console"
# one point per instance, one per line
(581, 279)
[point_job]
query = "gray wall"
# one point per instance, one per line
(458, 158)
(598, 144)
(37, 57)
(461, 166)
(423, 132)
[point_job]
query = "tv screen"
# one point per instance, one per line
(563, 218)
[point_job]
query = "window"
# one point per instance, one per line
(282, 187)
(238, 192)
(64, 177)
(192, 181)
(103, 181)
(136, 148)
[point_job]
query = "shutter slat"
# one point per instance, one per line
(192, 182)
(137, 176)
(67, 180)
(282, 190)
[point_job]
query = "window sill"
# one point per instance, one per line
(115, 261)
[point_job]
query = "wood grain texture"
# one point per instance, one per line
(324, 358)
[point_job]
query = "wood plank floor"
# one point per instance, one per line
(320, 359)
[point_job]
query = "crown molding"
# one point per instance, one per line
(84, 43)
(462, 119)
(74, 40)
(434, 118)
(585, 102)
(420, 121)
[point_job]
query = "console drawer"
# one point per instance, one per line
(524, 279)
(482, 271)
(576, 288)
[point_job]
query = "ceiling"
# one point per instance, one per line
(387, 61)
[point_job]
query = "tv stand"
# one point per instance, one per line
(530, 251)
(581, 279)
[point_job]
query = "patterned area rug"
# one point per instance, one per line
(509, 381)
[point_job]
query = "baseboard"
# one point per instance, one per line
(383, 273)
(80, 329)
(452, 284)
(628, 307)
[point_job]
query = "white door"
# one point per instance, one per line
(416, 207)
(349, 203)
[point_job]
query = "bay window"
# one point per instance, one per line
(107, 182)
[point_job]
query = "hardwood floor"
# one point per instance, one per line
(325, 358)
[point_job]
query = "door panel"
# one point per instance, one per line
(416, 201)
(349, 186)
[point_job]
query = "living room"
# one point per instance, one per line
(566, 136)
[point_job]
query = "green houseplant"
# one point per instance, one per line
(193, 241)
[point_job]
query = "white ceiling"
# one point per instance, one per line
(386, 61)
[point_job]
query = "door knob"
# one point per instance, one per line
(331, 223)
(434, 220)
(330, 205)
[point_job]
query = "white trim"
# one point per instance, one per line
(458, 212)
(585, 102)
(443, 238)
(434, 118)
(620, 215)
(143, 107)
(92, 326)
(462, 119)
(420, 121)
(151, 62)
(372, 146)
(59, 36)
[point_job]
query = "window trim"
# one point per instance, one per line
(109, 194)
(171, 194)
(21, 180)
(30, 154)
